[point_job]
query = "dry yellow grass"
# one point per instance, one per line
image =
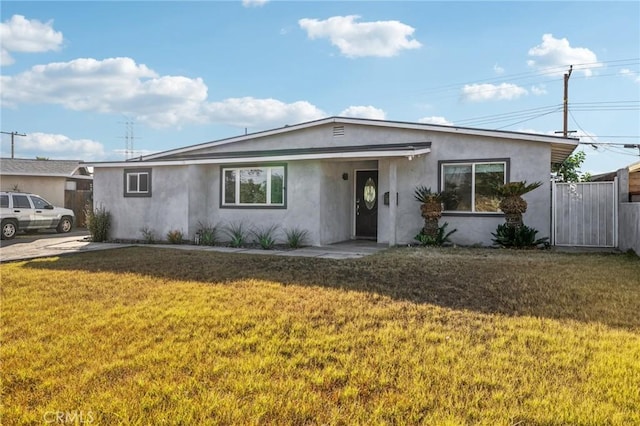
(409, 336)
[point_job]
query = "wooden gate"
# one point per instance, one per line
(585, 214)
(77, 201)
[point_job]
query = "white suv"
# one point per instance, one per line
(20, 211)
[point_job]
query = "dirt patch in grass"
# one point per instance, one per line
(603, 288)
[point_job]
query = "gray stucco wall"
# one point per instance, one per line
(318, 199)
(164, 211)
(628, 216)
(629, 227)
(528, 161)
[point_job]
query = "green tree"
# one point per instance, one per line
(569, 170)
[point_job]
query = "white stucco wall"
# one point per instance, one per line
(318, 199)
(49, 188)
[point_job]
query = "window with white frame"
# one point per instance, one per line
(470, 185)
(259, 186)
(137, 183)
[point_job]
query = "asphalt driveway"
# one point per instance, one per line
(48, 243)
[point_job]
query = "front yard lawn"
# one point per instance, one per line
(147, 336)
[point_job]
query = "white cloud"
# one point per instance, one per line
(435, 120)
(630, 74)
(498, 69)
(555, 53)
(260, 113)
(114, 85)
(120, 86)
(60, 146)
(492, 92)
(22, 35)
(358, 39)
(364, 112)
(539, 90)
(254, 3)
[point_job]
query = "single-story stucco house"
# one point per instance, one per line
(338, 178)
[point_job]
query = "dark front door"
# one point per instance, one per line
(367, 204)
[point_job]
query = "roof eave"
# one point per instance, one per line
(408, 153)
(533, 137)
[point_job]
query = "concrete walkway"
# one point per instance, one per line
(49, 245)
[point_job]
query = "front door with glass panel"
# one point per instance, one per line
(367, 204)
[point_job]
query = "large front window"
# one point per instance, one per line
(470, 185)
(253, 186)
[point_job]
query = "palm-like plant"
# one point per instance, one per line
(430, 208)
(512, 204)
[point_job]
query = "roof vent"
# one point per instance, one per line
(338, 131)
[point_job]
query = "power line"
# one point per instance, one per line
(556, 70)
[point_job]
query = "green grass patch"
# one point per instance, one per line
(408, 336)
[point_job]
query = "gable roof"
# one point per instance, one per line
(561, 147)
(45, 168)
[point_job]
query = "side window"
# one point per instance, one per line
(20, 202)
(4, 201)
(137, 183)
(39, 203)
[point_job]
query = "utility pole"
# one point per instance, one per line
(565, 132)
(13, 134)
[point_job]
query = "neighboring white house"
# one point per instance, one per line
(338, 178)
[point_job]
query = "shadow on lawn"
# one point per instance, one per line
(589, 288)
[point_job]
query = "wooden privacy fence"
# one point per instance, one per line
(584, 214)
(77, 201)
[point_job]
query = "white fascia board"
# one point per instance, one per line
(499, 134)
(279, 158)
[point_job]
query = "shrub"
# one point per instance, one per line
(98, 223)
(148, 235)
(175, 236)
(296, 237)
(516, 189)
(518, 237)
(441, 237)
(207, 234)
(424, 195)
(265, 236)
(237, 234)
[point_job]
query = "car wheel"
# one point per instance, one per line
(9, 228)
(65, 225)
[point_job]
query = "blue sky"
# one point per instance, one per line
(75, 73)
